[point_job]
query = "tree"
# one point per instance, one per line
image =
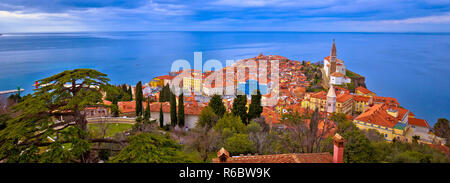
(240, 107)
(147, 112)
(181, 110)
(441, 128)
(164, 94)
(207, 118)
(161, 117)
(217, 105)
(173, 110)
(139, 98)
(151, 148)
(130, 92)
(231, 123)
(358, 148)
(204, 140)
(255, 108)
(239, 144)
(305, 130)
(62, 96)
(258, 136)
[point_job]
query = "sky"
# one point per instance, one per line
(225, 15)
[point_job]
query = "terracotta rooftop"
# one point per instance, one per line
(418, 122)
(363, 90)
(282, 158)
(378, 115)
(337, 74)
(343, 98)
(386, 100)
(360, 98)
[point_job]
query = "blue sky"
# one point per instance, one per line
(225, 15)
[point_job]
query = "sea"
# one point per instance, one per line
(412, 67)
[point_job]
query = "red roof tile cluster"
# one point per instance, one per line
(360, 98)
(282, 158)
(341, 98)
(386, 100)
(363, 90)
(418, 122)
(378, 115)
(337, 74)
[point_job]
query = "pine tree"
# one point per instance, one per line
(139, 97)
(161, 117)
(240, 108)
(217, 105)
(255, 109)
(180, 110)
(173, 110)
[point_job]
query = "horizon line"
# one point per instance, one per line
(243, 31)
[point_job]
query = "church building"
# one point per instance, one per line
(335, 68)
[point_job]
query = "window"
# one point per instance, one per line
(385, 135)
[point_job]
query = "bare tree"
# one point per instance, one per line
(308, 131)
(204, 141)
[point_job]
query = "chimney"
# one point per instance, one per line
(338, 153)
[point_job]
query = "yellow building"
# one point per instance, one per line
(318, 100)
(361, 103)
(192, 81)
(160, 81)
(344, 104)
(156, 82)
(364, 91)
(391, 122)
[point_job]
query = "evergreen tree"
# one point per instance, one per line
(147, 111)
(25, 134)
(139, 98)
(217, 105)
(255, 108)
(173, 110)
(130, 92)
(181, 110)
(161, 117)
(240, 107)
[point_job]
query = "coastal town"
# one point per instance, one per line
(359, 104)
(254, 106)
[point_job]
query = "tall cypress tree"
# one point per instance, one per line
(240, 107)
(139, 97)
(180, 110)
(255, 108)
(161, 117)
(130, 92)
(173, 110)
(217, 105)
(147, 111)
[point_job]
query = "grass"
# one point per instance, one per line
(351, 74)
(111, 128)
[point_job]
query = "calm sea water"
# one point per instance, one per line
(414, 68)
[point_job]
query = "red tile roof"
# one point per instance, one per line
(418, 122)
(363, 90)
(378, 115)
(360, 98)
(282, 158)
(337, 74)
(343, 98)
(386, 100)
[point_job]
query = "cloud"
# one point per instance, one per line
(301, 15)
(436, 19)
